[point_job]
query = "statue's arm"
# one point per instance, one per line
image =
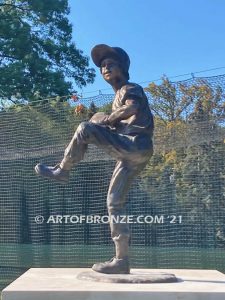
(99, 118)
(124, 112)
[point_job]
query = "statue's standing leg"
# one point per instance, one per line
(121, 181)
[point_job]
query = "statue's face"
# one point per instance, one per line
(111, 70)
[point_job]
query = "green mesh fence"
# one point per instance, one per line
(182, 190)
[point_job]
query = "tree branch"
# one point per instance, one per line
(14, 6)
(8, 56)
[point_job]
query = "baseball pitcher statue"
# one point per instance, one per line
(125, 134)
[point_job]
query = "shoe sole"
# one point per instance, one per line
(110, 272)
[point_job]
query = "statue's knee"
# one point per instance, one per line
(84, 128)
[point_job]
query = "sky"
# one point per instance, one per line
(162, 37)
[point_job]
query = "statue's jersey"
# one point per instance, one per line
(142, 121)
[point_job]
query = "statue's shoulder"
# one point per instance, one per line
(130, 89)
(131, 85)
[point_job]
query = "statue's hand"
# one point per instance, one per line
(100, 118)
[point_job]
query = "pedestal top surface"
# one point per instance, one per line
(65, 279)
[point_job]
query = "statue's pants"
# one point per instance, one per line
(132, 152)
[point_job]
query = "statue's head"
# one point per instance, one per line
(115, 58)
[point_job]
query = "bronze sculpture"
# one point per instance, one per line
(125, 134)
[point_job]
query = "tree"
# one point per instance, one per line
(209, 102)
(188, 165)
(166, 102)
(176, 101)
(92, 109)
(38, 58)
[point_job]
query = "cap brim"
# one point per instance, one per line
(101, 51)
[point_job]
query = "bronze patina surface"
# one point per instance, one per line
(125, 134)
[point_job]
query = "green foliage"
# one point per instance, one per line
(189, 161)
(38, 58)
(172, 102)
(106, 108)
(92, 110)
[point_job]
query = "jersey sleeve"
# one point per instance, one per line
(132, 91)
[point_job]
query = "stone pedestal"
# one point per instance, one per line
(63, 284)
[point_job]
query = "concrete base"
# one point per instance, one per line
(62, 283)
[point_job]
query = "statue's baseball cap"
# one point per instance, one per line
(102, 51)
